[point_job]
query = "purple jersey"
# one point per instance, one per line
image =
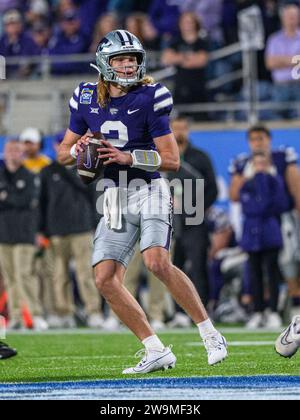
(128, 122)
(281, 159)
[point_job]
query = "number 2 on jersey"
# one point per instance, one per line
(115, 126)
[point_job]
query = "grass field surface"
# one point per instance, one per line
(80, 355)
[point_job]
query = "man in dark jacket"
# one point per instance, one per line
(192, 241)
(19, 194)
(68, 219)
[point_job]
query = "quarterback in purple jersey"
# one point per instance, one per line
(132, 113)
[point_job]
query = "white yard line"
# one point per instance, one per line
(236, 343)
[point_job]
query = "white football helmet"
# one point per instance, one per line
(117, 43)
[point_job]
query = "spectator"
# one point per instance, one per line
(106, 23)
(89, 12)
(281, 48)
(67, 219)
(284, 161)
(3, 299)
(64, 6)
(9, 4)
(192, 241)
(36, 10)
(189, 54)
(223, 248)
(290, 258)
(19, 194)
(41, 34)
(261, 197)
(209, 14)
(16, 43)
(43, 263)
(139, 25)
(69, 40)
(164, 15)
(34, 161)
(125, 8)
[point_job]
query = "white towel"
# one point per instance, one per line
(112, 208)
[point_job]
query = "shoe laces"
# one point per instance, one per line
(141, 353)
(296, 326)
(144, 354)
(212, 342)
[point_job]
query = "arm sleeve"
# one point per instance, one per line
(77, 123)
(159, 110)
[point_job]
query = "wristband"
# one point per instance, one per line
(73, 151)
(147, 160)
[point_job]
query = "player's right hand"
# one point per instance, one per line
(83, 141)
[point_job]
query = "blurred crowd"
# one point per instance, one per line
(48, 218)
(183, 33)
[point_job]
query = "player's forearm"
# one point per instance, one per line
(64, 157)
(169, 163)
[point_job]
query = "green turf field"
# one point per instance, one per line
(86, 356)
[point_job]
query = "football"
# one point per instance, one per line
(89, 164)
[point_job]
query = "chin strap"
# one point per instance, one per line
(95, 67)
(147, 160)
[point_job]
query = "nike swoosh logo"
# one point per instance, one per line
(129, 112)
(152, 362)
(88, 163)
(284, 339)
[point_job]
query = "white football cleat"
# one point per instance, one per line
(153, 361)
(216, 348)
(288, 342)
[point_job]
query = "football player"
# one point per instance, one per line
(133, 115)
(288, 342)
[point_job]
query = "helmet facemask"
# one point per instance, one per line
(111, 47)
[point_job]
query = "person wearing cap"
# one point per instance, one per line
(16, 43)
(19, 200)
(34, 161)
(68, 219)
(69, 40)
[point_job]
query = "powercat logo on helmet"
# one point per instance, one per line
(104, 43)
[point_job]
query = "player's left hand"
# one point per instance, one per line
(113, 154)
